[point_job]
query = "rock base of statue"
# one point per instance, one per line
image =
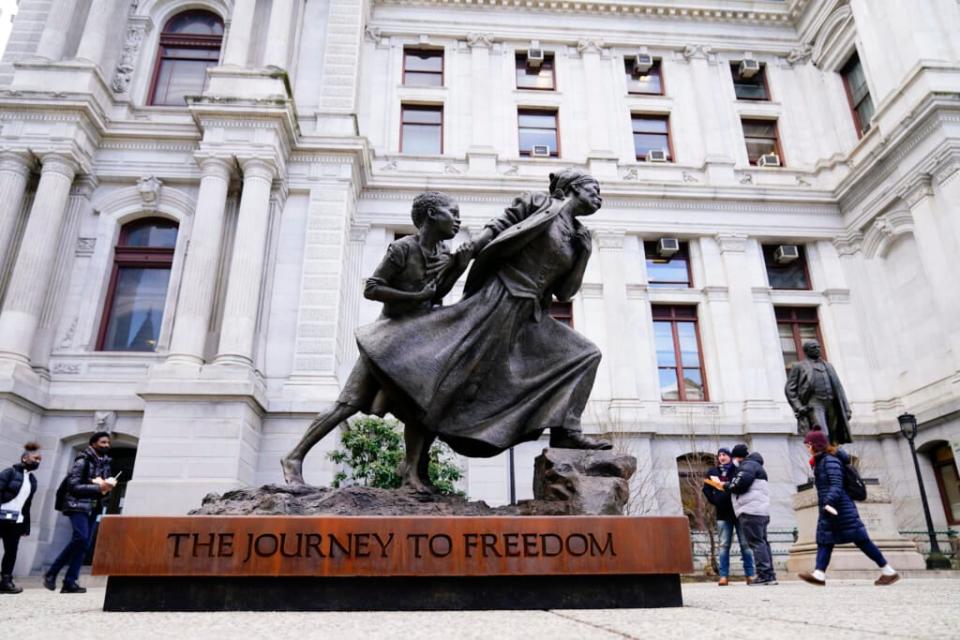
(877, 513)
(290, 548)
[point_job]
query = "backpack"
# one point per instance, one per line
(60, 502)
(853, 484)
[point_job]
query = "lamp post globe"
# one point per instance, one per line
(909, 429)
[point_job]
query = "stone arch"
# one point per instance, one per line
(834, 39)
(149, 198)
(691, 469)
(885, 230)
(158, 12)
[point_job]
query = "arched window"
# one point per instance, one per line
(138, 286)
(189, 43)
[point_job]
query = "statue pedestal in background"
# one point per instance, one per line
(877, 513)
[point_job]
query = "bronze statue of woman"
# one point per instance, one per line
(494, 369)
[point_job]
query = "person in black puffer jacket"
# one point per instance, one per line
(839, 521)
(87, 482)
(17, 487)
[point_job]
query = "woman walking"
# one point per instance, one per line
(839, 521)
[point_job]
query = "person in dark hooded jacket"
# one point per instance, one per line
(751, 503)
(17, 487)
(839, 521)
(727, 521)
(87, 482)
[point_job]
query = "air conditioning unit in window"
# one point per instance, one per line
(769, 160)
(666, 247)
(748, 68)
(657, 155)
(786, 253)
(642, 62)
(535, 56)
(540, 151)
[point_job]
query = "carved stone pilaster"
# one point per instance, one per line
(137, 29)
(800, 56)
(916, 190)
(849, 245)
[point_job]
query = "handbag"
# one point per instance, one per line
(9, 515)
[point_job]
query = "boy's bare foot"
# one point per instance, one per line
(292, 470)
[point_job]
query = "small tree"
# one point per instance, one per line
(372, 450)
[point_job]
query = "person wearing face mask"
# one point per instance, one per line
(87, 482)
(17, 486)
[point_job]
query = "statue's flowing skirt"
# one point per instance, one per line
(483, 374)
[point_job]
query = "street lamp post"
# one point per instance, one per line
(936, 559)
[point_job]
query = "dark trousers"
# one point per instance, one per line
(824, 551)
(755, 530)
(10, 533)
(72, 554)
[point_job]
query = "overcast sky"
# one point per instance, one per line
(8, 8)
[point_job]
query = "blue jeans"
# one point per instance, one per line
(72, 554)
(726, 539)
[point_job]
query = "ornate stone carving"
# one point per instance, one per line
(692, 51)
(372, 33)
(68, 368)
(800, 55)
(133, 39)
(67, 340)
(589, 46)
(849, 245)
(689, 177)
(916, 190)
(105, 420)
(450, 169)
(746, 178)
(85, 247)
(149, 188)
(484, 40)
(632, 174)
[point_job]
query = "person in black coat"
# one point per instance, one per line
(839, 521)
(87, 482)
(727, 521)
(17, 487)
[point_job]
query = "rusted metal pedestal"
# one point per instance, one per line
(360, 563)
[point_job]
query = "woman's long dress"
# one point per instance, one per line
(492, 370)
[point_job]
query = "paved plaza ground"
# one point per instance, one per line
(914, 608)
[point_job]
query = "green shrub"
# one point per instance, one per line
(371, 450)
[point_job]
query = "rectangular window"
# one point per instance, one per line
(562, 312)
(858, 94)
(423, 67)
(790, 274)
(542, 78)
(795, 325)
(421, 129)
(649, 82)
(679, 364)
(752, 88)
(762, 138)
(651, 133)
(538, 129)
(182, 72)
(667, 272)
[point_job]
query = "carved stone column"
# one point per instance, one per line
(237, 47)
(14, 172)
(98, 29)
(53, 308)
(237, 333)
(53, 39)
(200, 267)
(31, 273)
(279, 34)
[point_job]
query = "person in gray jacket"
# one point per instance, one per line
(751, 503)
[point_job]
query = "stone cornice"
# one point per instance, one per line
(729, 11)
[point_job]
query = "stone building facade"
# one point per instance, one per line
(194, 190)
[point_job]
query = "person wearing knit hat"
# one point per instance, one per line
(17, 486)
(751, 502)
(727, 521)
(839, 521)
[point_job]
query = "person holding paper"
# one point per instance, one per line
(727, 521)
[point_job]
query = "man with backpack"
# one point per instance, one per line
(79, 498)
(839, 521)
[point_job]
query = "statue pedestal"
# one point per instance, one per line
(878, 515)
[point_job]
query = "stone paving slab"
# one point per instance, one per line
(843, 609)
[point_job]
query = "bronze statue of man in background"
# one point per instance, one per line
(817, 397)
